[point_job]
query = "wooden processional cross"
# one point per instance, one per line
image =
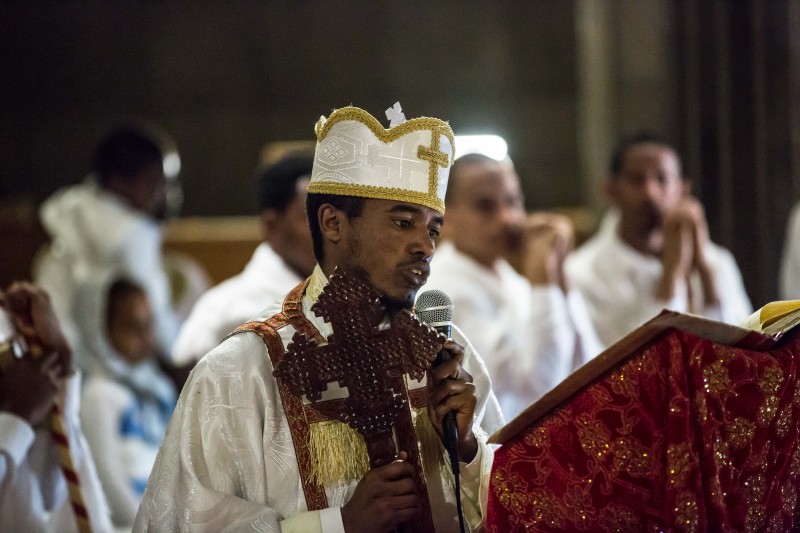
(368, 361)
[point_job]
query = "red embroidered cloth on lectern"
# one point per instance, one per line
(684, 435)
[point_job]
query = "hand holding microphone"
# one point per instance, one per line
(451, 400)
(436, 309)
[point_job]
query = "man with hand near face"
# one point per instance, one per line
(240, 452)
(532, 330)
(653, 251)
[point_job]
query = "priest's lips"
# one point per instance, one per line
(416, 273)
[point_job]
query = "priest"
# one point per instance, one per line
(272, 431)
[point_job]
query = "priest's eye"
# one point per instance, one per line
(434, 233)
(402, 222)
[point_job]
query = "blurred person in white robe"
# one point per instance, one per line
(33, 488)
(127, 400)
(653, 250)
(279, 263)
(112, 221)
(531, 329)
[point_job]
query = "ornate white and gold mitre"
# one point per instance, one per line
(356, 156)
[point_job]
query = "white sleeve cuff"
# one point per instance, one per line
(16, 437)
(331, 520)
(323, 521)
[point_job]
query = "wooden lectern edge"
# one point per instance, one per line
(595, 369)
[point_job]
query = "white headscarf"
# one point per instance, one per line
(96, 356)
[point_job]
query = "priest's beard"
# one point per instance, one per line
(392, 305)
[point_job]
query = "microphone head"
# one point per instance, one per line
(435, 308)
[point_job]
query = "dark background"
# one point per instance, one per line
(559, 80)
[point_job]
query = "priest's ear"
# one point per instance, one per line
(331, 222)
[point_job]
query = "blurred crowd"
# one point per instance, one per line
(102, 307)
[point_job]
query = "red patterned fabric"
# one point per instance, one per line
(684, 435)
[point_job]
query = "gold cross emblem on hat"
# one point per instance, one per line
(432, 153)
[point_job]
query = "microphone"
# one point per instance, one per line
(436, 309)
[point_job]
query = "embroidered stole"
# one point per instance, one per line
(301, 416)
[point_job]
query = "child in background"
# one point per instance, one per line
(127, 399)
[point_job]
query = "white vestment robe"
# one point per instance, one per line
(531, 337)
(234, 301)
(228, 463)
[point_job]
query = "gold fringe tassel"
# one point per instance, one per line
(338, 453)
(430, 447)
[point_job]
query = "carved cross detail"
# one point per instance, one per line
(361, 357)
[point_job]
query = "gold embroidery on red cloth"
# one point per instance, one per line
(750, 474)
(721, 451)
(623, 382)
(631, 457)
(757, 462)
(678, 462)
(686, 512)
(716, 379)
(578, 506)
(754, 488)
(616, 518)
(726, 353)
(775, 524)
(600, 395)
(512, 490)
(756, 515)
(785, 422)
(720, 448)
(789, 497)
(593, 436)
(701, 406)
(677, 405)
(794, 464)
(740, 432)
(647, 363)
(767, 411)
(772, 380)
(547, 509)
(537, 437)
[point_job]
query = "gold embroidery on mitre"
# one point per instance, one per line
(431, 154)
